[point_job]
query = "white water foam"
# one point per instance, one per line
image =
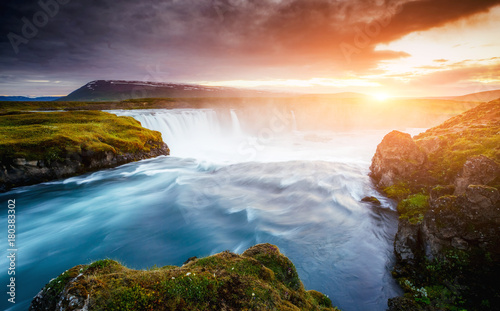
(226, 137)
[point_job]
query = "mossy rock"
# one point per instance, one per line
(260, 279)
(397, 191)
(413, 208)
(283, 268)
(372, 200)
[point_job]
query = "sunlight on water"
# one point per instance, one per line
(226, 186)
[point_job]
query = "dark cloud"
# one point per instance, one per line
(192, 40)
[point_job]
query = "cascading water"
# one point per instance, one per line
(226, 186)
(236, 124)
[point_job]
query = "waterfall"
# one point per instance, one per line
(236, 123)
(229, 136)
(193, 133)
(181, 126)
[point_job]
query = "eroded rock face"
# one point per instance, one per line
(397, 158)
(19, 172)
(478, 170)
(464, 222)
(71, 297)
(408, 242)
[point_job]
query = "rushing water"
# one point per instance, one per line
(227, 186)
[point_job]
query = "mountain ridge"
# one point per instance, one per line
(111, 90)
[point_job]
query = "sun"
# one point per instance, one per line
(381, 96)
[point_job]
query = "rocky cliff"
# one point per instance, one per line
(446, 182)
(260, 279)
(39, 147)
(21, 172)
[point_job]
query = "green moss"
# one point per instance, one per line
(475, 132)
(440, 283)
(320, 298)
(438, 188)
(413, 208)
(104, 266)
(257, 280)
(270, 256)
(55, 135)
(398, 191)
(447, 163)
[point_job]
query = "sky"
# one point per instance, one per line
(380, 47)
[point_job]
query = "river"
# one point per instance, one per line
(229, 183)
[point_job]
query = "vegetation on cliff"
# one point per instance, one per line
(449, 257)
(51, 136)
(448, 154)
(449, 145)
(446, 182)
(39, 146)
(260, 279)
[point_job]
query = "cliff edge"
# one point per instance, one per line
(446, 182)
(39, 146)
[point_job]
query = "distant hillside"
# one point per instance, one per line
(27, 99)
(479, 97)
(343, 95)
(115, 90)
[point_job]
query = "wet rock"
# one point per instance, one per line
(372, 200)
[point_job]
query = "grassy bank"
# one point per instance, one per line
(259, 279)
(53, 135)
